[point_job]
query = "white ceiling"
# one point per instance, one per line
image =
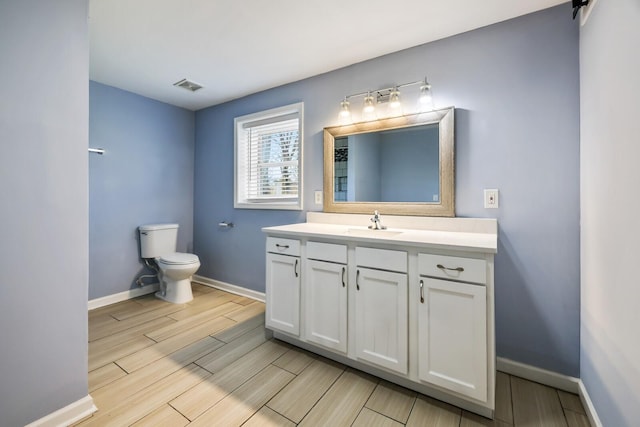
(238, 47)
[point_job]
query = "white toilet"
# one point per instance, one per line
(158, 242)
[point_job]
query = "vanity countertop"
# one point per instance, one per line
(485, 241)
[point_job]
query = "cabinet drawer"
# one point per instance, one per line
(327, 252)
(454, 268)
(381, 259)
(278, 245)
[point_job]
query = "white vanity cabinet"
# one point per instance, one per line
(283, 285)
(325, 295)
(452, 324)
(381, 310)
(412, 304)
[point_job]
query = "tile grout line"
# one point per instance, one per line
(227, 394)
(415, 400)
(373, 410)
(319, 399)
(365, 403)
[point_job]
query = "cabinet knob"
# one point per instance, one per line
(344, 269)
(295, 268)
(422, 291)
(358, 280)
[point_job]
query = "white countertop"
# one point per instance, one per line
(486, 242)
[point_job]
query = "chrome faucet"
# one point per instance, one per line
(377, 224)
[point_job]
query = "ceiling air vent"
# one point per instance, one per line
(187, 84)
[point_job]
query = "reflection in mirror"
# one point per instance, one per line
(402, 165)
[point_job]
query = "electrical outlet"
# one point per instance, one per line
(318, 195)
(491, 199)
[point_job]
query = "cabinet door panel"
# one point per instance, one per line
(453, 337)
(326, 304)
(381, 318)
(283, 293)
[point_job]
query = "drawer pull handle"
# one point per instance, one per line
(358, 280)
(343, 271)
(458, 269)
(422, 291)
(295, 268)
(279, 246)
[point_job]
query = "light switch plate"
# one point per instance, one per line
(491, 198)
(318, 196)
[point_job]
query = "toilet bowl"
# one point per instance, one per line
(158, 242)
(176, 270)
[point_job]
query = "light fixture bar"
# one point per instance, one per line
(385, 91)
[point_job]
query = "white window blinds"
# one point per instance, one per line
(268, 159)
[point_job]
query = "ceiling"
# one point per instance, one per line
(237, 47)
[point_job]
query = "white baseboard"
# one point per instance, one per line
(552, 379)
(122, 296)
(539, 375)
(234, 289)
(68, 415)
(588, 406)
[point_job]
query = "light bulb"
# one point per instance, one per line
(394, 98)
(344, 117)
(369, 108)
(395, 106)
(425, 102)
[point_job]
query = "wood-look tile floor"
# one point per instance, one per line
(208, 363)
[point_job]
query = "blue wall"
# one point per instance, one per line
(145, 177)
(44, 47)
(515, 86)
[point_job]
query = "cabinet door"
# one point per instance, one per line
(381, 318)
(283, 293)
(325, 314)
(452, 341)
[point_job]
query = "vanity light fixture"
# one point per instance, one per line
(391, 96)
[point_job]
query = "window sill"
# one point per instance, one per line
(292, 206)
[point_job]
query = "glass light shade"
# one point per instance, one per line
(344, 117)
(394, 98)
(425, 101)
(369, 108)
(395, 106)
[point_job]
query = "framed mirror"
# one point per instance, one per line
(400, 165)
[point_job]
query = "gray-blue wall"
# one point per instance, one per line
(515, 86)
(145, 177)
(44, 49)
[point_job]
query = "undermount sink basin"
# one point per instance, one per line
(368, 232)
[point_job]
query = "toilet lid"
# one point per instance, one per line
(178, 258)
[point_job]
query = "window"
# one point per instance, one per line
(268, 155)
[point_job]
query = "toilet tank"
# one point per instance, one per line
(158, 239)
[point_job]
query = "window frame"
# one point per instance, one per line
(239, 200)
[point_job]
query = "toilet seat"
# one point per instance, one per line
(179, 258)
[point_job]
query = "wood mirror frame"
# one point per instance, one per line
(445, 205)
